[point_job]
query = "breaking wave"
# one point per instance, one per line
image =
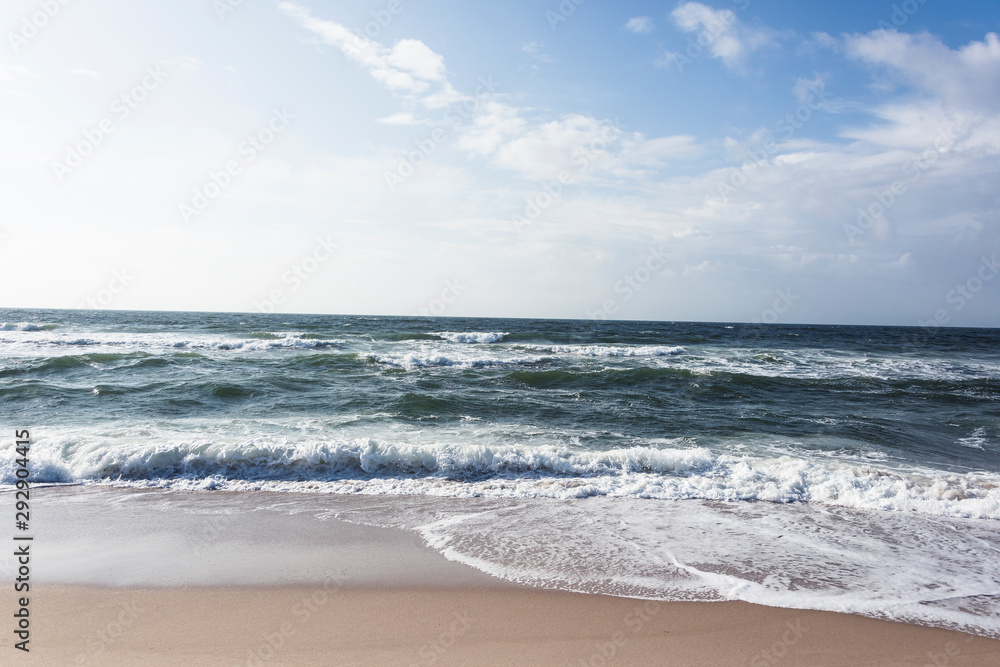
(367, 466)
(472, 336)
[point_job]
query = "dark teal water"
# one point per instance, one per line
(426, 395)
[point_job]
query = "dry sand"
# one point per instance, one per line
(336, 625)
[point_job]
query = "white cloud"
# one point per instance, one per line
(639, 24)
(642, 152)
(535, 148)
(804, 89)
(546, 149)
(968, 76)
(493, 125)
(401, 118)
(409, 68)
(506, 136)
(920, 168)
(720, 32)
(534, 49)
(784, 221)
(955, 92)
(584, 146)
(189, 62)
(904, 262)
(16, 80)
(823, 40)
(415, 57)
(15, 73)
(81, 71)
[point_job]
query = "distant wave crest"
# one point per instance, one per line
(610, 350)
(472, 336)
(255, 341)
(27, 326)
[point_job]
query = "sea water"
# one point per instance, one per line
(826, 467)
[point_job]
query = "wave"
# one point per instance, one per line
(98, 360)
(27, 326)
(368, 466)
(605, 378)
(976, 440)
(254, 341)
(797, 556)
(430, 359)
(609, 350)
(472, 336)
(279, 341)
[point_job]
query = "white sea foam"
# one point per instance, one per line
(809, 364)
(26, 326)
(371, 467)
(464, 350)
(975, 441)
(799, 556)
(128, 341)
(472, 336)
(609, 350)
(432, 358)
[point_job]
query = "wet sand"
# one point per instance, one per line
(153, 578)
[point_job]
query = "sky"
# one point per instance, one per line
(732, 160)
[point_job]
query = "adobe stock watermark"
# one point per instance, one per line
(551, 191)
(123, 107)
(562, 12)
(963, 293)
(778, 651)
(915, 167)
(224, 7)
(120, 279)
(428, 146)
(100, 642)
(273, 642)
(901, 14)
(248, 150)
(709, 35)
(632, 283)
(436, 307)
(33, 24)
(943, 658)
(432, 651)
(606, 651)
(381, 18)
(782, 303)
(207, 535)
(786, 126)
(538, 202)
(298, 274)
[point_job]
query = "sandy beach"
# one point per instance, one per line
(153, 578)
(342, 625)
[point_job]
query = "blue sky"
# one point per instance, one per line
(736, 161)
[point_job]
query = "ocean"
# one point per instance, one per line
(844, 468)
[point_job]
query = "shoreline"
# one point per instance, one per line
(152, 577)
